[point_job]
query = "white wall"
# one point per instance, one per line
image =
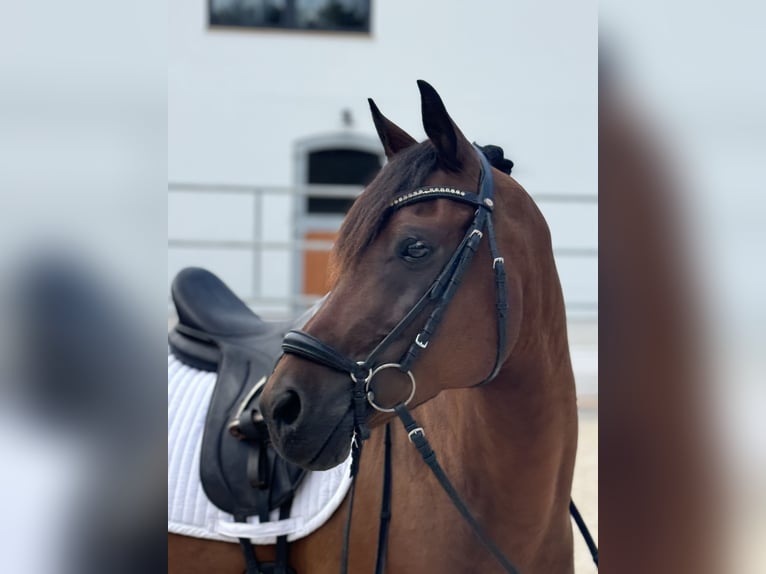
(518, 74)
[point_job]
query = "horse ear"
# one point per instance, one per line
(452, 145)
(393, 138)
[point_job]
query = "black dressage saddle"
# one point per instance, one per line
(241, 472)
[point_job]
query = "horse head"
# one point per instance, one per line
(394, 244)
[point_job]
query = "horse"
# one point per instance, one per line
(495, 390)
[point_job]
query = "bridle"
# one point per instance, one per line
(439, 295)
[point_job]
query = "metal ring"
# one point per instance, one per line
(371, 395)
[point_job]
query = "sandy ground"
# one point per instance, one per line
(585, 488)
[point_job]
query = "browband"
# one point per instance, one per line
(434, 192)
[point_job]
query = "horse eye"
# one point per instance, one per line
(415, 251)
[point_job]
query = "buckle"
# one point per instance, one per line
(416, 431)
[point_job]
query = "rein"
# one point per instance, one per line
(439, 294)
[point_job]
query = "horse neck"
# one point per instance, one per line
(528, 412)
(508, 448)
(539, 360)
(520, 428)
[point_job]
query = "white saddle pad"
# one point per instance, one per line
(190, 513)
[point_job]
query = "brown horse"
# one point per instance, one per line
(508, 446)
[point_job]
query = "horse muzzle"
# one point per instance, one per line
(310, 420)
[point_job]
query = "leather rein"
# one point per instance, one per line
(438, 296)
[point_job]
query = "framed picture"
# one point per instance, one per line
(321, 15)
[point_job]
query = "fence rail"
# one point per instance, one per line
(256, 245)
(341, 191)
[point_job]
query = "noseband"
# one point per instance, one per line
(439, 294)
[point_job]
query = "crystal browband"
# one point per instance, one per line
(425, 192)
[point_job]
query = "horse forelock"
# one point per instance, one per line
(368, 215)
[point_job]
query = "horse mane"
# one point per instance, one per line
(496, 157)
(369, 212)
(406, 171)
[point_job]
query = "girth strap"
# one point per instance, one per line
(281, 561)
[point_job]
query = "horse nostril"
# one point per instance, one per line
(288, 408)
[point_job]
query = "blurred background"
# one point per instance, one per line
(684, 79)
(139, 138)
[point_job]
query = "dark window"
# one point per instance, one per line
(339, 167)
(343, 167)
(334, 15)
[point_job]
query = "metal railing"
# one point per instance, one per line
(296, 247)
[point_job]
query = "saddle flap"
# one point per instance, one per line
(241, 473)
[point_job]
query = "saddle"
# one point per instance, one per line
(240, 471)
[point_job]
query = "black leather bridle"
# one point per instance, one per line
(438, 295)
